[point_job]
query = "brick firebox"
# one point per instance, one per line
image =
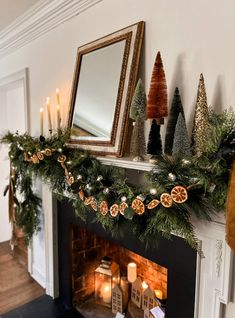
(87, 251)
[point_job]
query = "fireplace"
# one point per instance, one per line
(173, 262)
(88, 249)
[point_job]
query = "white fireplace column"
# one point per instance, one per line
(214, 270)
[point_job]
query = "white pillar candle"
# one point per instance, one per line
(49, 114)
(106, 293)
(58, 96)
(131, 272)
(41, 121)
(58, 117)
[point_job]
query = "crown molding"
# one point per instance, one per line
(38, 20)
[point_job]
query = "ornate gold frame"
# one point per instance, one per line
(133, 36)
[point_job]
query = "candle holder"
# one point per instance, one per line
(107, 276)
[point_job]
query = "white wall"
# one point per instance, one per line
(12, 118)
(193, 37)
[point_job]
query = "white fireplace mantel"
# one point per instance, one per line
(214, 269)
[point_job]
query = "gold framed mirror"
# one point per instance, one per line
(103, 85)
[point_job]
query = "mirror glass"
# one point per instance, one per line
(104, 81)
(97, 93)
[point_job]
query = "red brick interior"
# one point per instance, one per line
(87, 251)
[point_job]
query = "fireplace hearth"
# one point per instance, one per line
(173, 257)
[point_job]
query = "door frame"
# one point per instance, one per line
(22, 75)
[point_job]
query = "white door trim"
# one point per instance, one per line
(21, 75)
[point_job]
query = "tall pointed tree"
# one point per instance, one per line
(138, 114)
(138, 103)
(181, 143)
(157, 97)
(154, 146)
(201, 120)
(176, 109)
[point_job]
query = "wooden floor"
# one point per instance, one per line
(16, 286)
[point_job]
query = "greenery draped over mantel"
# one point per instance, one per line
(176, 189)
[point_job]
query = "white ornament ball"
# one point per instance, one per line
(123, 198)
(171, 176)
(60, 150)
(106, 191)
(153, 191)
(185, 161)
(88, 187)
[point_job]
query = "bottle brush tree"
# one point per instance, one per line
(138, 114)
(154, 146)
(201, 120)
(181, 143)
(157, 97)
(176, 109)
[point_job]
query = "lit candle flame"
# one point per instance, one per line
(145, 285)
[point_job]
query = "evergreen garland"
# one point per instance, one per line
(177, 187)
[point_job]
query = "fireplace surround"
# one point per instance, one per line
(175, 255)
(213, 271)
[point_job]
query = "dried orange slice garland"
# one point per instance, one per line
(179, 194)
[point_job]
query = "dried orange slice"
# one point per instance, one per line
(122, 207)
(81, 195)
(61, 158)
(179, 194)
(103, 207)
(70, 180)
(88, 200)
(114, 210)
(166, 200)
(94, 205)
(138, 206)
(152, 204)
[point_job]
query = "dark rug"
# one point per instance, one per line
(42, 307)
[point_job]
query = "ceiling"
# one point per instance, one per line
(11, 9)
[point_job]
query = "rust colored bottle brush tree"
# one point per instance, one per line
(157, 102)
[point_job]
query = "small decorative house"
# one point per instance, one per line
(117, 305)
(148, 301)
(136, 291)
(147, 313)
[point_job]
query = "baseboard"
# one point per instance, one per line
(39, 277)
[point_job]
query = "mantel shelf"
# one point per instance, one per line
(126, 163)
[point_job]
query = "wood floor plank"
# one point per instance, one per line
(16, 285)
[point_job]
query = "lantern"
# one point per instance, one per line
(107, 276)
